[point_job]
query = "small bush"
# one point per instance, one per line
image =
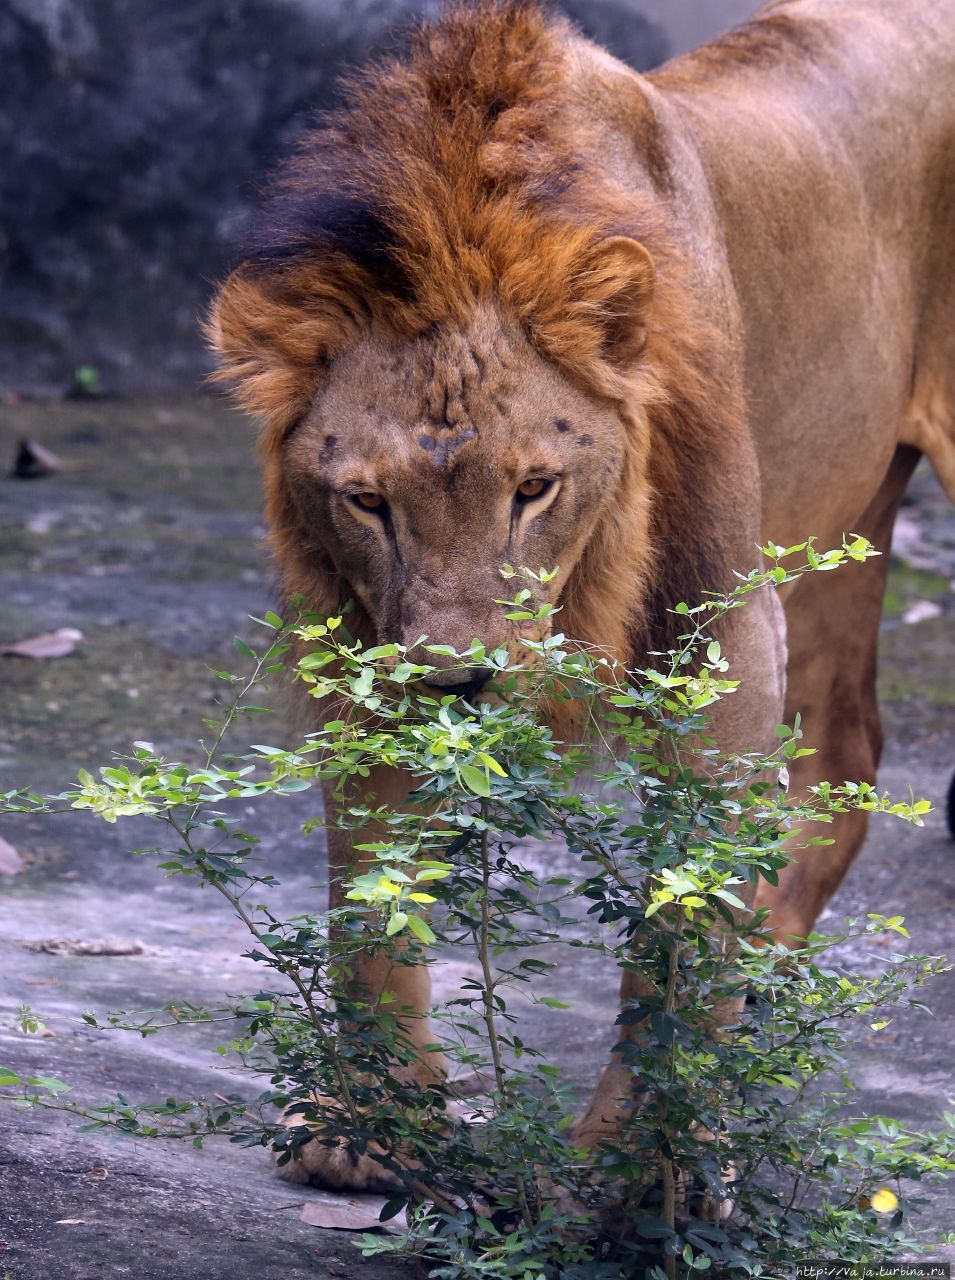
(739, 1153)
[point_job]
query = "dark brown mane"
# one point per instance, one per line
(458, 173)
(405, 170)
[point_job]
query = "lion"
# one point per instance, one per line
(515, 302)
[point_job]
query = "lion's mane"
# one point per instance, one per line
(460, 172)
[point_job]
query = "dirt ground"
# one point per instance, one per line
(148, 541)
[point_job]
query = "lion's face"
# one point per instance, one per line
(422, 468)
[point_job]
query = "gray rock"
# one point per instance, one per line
(134, 138)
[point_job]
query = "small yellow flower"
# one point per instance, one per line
(884, 1200)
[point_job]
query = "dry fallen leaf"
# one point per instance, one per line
(99, 1173)
(10, 860)
(54, 644)
(922, 611)
(69, 1222)
(34, 460)
(349, 1213)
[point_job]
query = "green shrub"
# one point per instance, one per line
(740, 1154)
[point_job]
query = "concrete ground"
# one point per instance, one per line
(147, 541)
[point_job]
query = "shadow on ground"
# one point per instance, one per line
(149, 542)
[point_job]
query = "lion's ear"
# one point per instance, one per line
(620, 287)
(273, 338)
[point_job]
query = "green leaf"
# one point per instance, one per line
(361, 685)
(474, 779)
(315, 661)
(393, 1207)
(396, 923)
(731, 898)
(50, 1083)
(421, 929)
(380, 651)
(491, 763)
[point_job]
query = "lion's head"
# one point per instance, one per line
(446, 322)
(422, 466)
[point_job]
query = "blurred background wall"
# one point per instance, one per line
(134, 135)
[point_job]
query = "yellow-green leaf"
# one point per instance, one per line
(421, 929)
(492, 764)
(396, 923)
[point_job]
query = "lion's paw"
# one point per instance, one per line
(699, 1203)
(337, 1167)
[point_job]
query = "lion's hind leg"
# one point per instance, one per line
(833, 628)
(929, 426)
(928, 422)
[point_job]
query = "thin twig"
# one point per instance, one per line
(487, 996)
(666, 1151)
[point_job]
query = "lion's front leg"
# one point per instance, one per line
(376, 978)
(618, 1090)
(620, 1094)
(755, 643)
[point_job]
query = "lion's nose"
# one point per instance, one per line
(465, 682)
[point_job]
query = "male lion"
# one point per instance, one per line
(515, 302)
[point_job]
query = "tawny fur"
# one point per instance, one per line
(740, 270)
(489, 188)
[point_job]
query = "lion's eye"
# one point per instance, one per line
(532, 489)
(368, 501)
